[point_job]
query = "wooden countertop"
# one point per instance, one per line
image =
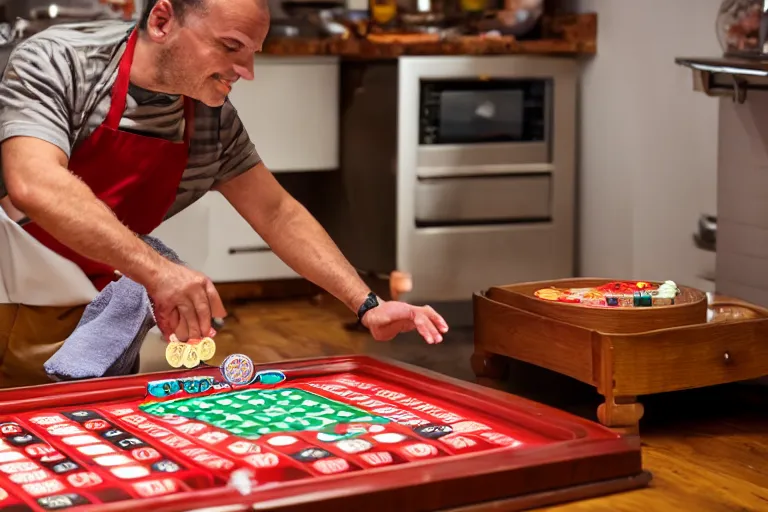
(564, 35)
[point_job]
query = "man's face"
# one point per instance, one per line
(206, 54)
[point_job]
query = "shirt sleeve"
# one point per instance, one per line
(36, 93)
(238, 152)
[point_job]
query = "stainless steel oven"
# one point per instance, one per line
(457, 170)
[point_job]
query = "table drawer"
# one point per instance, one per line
(698, 356)
(492, 199)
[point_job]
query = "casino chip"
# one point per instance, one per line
(189, 354)
(206, 347)
(238, 369)
(174, 354)
(191, 357)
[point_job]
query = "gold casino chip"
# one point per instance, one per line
(174, 354)
(191, 358)
(206, 348)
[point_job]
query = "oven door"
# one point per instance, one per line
(483, 126)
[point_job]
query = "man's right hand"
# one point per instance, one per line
(185, 301)
(40, 185)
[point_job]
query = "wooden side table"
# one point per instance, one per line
(726, 341)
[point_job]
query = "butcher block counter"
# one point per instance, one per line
(562, 35)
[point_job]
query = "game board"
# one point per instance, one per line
(614, 294)
(357, 418)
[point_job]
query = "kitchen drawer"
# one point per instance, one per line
(489, 199)
(210, 236)
(236, 252)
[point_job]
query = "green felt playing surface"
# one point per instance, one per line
(252, 413)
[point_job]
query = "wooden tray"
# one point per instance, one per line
(690, 307)
(732, 346)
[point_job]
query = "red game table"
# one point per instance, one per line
(343, 433)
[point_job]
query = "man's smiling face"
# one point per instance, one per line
(209, 47)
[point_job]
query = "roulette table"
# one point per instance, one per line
(338, 433)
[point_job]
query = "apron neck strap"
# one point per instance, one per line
(120, 88)
(120, 92)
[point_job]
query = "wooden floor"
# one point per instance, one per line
(707, 450)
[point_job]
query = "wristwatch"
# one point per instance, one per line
(371, 301)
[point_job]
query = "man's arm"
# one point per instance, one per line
(293, 234)
(299, 240)
(36, 111)
(40, 185)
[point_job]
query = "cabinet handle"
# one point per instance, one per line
(254, 248)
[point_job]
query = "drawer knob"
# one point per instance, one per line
(727, 358)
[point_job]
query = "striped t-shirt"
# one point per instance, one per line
(57, 87)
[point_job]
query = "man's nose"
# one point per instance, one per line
(244, 69)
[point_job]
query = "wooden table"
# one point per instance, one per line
(623, 360)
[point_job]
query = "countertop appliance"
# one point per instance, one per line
(458, 171)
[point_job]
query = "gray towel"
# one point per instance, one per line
(108, 338)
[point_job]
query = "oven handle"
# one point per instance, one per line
(482, 170)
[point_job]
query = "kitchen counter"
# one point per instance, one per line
(569, 35)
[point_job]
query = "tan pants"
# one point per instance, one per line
(29, 336)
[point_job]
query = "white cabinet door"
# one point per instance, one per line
(291, 111)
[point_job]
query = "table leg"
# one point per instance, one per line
(621, 413)
(490, 369)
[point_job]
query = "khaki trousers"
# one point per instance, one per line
(29, 336)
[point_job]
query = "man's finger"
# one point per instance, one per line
(189, 321)
(438, 320)
(217, 306)
(203, 311)
(167, 321)
(425, 328)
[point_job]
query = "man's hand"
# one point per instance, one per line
(40, 185)
(389, 319)
(184, 302)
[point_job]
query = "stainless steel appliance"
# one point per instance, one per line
(457, 170)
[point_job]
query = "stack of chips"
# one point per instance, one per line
(189, 354)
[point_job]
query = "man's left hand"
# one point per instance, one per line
(389, 319)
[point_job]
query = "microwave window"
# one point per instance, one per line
(482, 116)
(477, 112)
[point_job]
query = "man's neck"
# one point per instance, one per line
(144, 68)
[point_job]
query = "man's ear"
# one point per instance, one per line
(161, 21)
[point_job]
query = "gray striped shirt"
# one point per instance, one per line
(57, 85)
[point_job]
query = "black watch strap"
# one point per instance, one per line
(371, 301)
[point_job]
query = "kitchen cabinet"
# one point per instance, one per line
(291, 111)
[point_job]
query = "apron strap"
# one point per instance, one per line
(120, 92)
(120, 88)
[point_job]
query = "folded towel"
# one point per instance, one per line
(108, 338)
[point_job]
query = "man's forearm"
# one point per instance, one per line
(302, 243)
(41, 187)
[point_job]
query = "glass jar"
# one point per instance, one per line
(738, 27)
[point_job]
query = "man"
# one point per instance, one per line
(105, 131)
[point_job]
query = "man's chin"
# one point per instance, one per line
(212, 99)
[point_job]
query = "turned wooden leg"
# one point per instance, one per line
(621, 413)
(490, 369)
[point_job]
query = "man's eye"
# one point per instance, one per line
(232, 47)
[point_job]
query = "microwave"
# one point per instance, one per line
(478, 125)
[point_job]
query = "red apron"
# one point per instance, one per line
(135, 175)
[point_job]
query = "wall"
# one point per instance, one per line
(648, 161)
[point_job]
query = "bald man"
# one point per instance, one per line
(106, 130)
